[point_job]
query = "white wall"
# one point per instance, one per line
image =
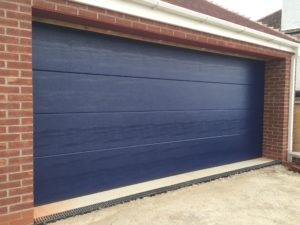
(290, 15)
(298, 74)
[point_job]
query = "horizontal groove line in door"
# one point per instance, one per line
(135, 146)
(149, 111)
(135, 77)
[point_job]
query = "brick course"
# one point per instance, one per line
(16, 147)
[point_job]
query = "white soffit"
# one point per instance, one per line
(171, 14)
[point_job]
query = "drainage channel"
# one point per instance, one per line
(83, 210)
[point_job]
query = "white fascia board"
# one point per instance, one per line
(174, 15)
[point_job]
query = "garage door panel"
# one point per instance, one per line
(76, 51)
(61, 92)
(110, 111)
(98, 171)
(70, 133)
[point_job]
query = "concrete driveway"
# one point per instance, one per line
(263, 197)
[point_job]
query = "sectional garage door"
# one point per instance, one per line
(110, 111)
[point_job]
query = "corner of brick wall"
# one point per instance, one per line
(276, 108)
(16, 153)
(295, 165)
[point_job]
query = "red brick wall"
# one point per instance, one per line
(276, 103)
(16, 164)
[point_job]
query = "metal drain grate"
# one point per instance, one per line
(83, 210)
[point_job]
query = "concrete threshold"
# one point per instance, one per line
(80, 205)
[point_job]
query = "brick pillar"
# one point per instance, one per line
(276, 108)
(16, 155)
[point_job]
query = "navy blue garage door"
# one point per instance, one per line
(110, 111)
